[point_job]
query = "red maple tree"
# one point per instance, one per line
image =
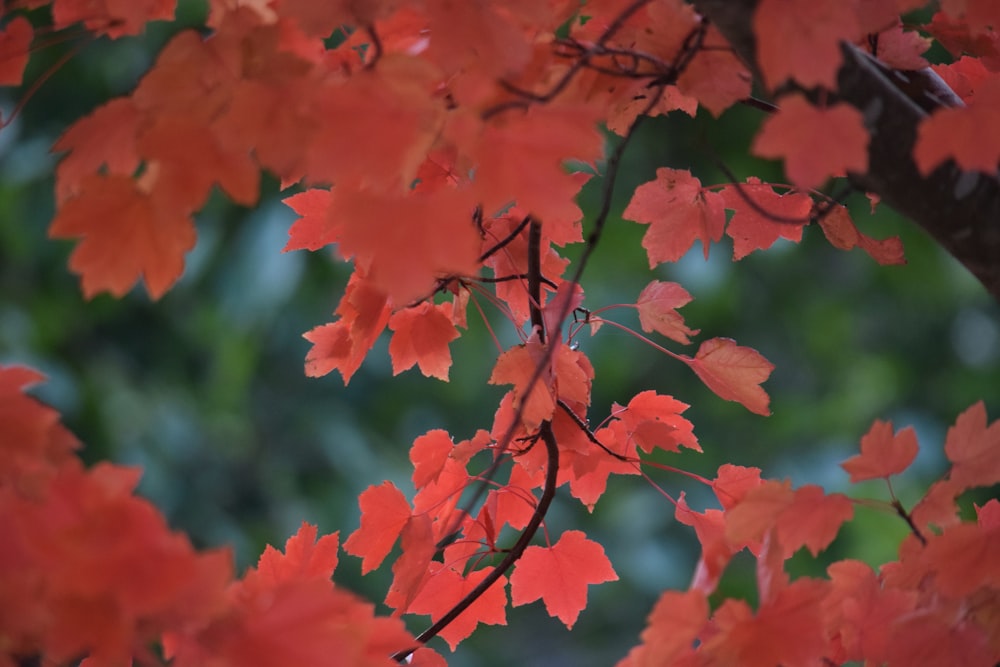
(441, 146)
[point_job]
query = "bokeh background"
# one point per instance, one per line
(205, 389)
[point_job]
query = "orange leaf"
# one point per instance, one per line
(733, 372)
(126, 234)
(653, 420)
(974, 449)
(15, 38)
(969, 135)
(445, 587)
(678, 213)
(560, 574)
(516, 366)
(658, 303)
(304, 557)
(752, 229)
(114, 19)
(384, 514)
(815, 142)
(801, 40)
(671, 629)
(313, 229)
(843, 234)
(422, 334)
(882, 453)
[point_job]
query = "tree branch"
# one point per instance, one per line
(960, 210)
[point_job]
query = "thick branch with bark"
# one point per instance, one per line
(960, 210)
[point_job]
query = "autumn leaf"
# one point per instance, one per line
(559, 575)
(445, 587)
(516, 366)
(715, 76)
(657, 305)
(652, 421)
(304, 557)
(126, 234)
(964, 134)
(815, 142)
(15, 38)
(840, 230)
(114, 19)
(733, 372)
(882, 453)
(678, 213)
(421, 337)
(672, 627)
(801, 40)
(974, 449)
(384, 514)
(774, 215)
(313, 229)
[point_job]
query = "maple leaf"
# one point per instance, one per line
(733, 372)
(715, 76)
(974, 449)
(409, 572)
(104, 139)
(313, 229)
(126, 234)
(801, 40)
(653, 420)
(304, 557)
(445, 587)
(673, 625)
(559, 575)
(657, 305)
(343, 344)
(422, 334)
(516, 366)
(732, 483)
(861, 613)
(521, 159)
(405, 243)
(963, 134)
(980, 15)
(840, 230)
(678, 212)
(757, 228)
(815, 142)
(786, 630)
(15, 38)
(882, 453)
(384, 514)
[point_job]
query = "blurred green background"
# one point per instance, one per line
(205, 389)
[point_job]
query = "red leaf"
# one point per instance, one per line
(843, 234)
(103, 140)
(384, 514)
(657, 305)
(733, 372)
(974, 449)
(671, 629)
(715, 76)
(343, 345)
(652, 420)
(126, 234)
(422, 334)
(801, 40)
(560, 574)
(516, 366)
(15, 38)
(815, 142)
(733, 482)
(114, 19)
(966, 134)
(313, 229)
(304, 557)
(678, 213)
(445, 587)
(882, 453)
(756, 228)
